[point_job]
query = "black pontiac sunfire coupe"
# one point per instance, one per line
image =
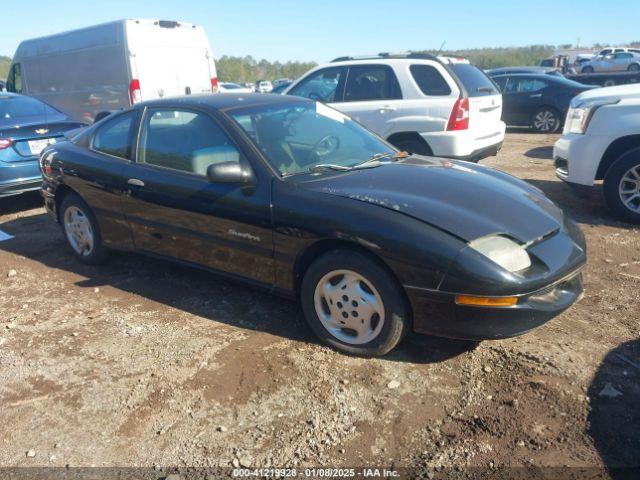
(291, 195)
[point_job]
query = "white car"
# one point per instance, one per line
(263, 86)
(228, 87)
(601, 141)
(423, 104)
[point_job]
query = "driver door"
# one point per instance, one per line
(175, 211)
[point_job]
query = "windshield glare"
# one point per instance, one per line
(298, 136)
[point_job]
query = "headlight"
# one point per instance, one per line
(503, 251)
(581, 113)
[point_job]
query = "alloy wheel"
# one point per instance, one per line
(545, 121)
(349, 307)
(77, 227)
(629, 189)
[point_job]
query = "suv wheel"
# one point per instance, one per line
(622, 186)
(353, 304)
(82, 231)
(545, 120)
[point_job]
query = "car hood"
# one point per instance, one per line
(464, 199)
(617, 92)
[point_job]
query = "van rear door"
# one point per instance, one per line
(169, 58)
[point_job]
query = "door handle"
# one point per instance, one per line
(535, 95)
(135, 182)
(386, 109)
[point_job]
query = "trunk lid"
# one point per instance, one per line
(31, 138)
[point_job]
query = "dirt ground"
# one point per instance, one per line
(143, 363)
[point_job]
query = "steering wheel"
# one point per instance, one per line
(326, 145)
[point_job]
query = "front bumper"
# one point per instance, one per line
(577, 157)
(436, 313)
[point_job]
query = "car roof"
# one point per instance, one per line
(227, 101)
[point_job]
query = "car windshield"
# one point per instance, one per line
(14, 108)
(298, 137)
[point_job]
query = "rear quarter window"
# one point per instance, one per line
(474, 80)
(429, 80)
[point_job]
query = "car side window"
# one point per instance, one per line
(501, 82)
(620, 56)
(184, 140)
(371, 82)
(14, 81)
(429, 80)
(321, 86)
(114, 137)
(528, 85)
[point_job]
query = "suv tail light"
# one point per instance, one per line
(135, 95)
(214, 84)
(459, 119)
(5, 143)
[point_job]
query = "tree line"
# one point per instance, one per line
(248, 69)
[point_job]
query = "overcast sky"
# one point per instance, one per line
(322, 30)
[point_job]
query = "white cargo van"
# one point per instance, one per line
(106, 67)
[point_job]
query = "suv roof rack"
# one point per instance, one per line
(420, 56)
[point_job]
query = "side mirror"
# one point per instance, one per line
(230, 172)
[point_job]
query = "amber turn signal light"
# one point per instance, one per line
(486, 301)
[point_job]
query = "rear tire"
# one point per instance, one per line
(414, 147)
(82, 231)
(587, 70)
(634, 67)
(546, 120)
(353, 304)
(622, 186)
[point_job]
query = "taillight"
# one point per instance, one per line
(214, 85)
(135, 95)
(459, 119)
(45, 164)
(5, 143)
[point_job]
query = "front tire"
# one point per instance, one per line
(353, 304)
(634, 67)
(622, 186)
(82, 231)
(546, 120)
(587, 70)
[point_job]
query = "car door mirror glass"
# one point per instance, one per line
(230, 172)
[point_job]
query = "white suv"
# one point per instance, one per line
(427, 105)
(601, 141)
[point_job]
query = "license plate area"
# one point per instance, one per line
(36, 146)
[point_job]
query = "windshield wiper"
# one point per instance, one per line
(375, 159)
(328, 166)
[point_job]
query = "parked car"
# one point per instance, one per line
(601, 141)
(280, 88)
(291, 195)
(27, 125)
(537, 101)
(107, 67)
(611, 50)
(614, 62)
(233, 88)
(279, 81)
(263, 86)
(494, 72)
(419, 103)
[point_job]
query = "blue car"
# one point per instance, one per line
(27, 126)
